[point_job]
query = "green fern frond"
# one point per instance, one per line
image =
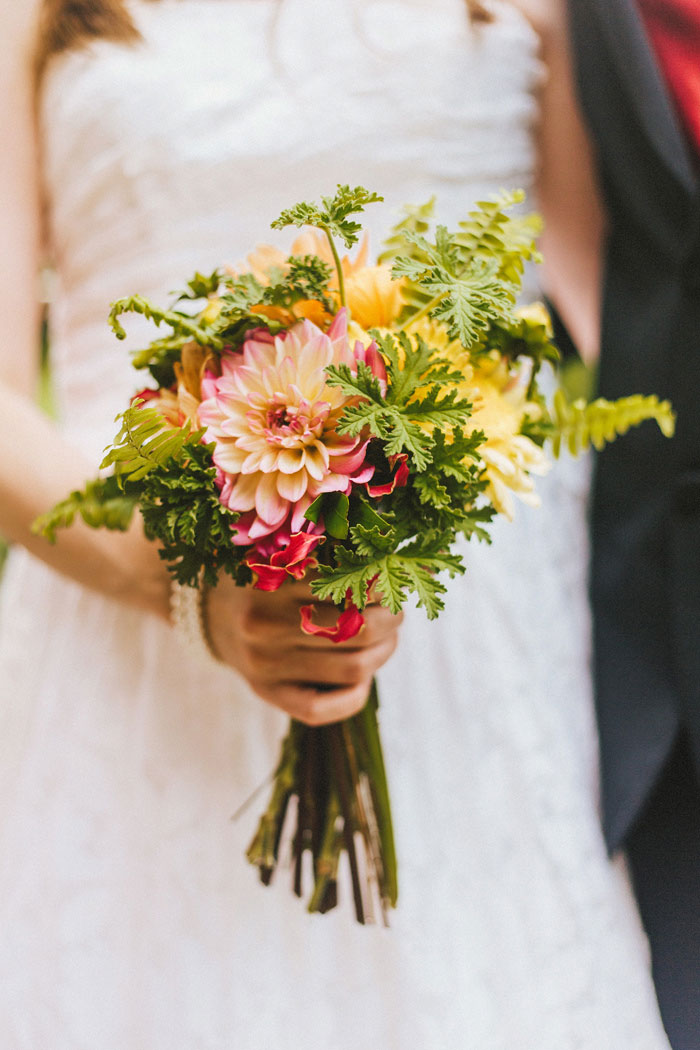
(416, 220)
(180, 323)
(102, 503)
(145, 441)
(578, 425)
(489, 231)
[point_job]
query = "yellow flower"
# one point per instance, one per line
(212, 310)
(498, 394)
(536, 313)
(510, 458)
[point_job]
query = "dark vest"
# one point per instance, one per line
(645, 576)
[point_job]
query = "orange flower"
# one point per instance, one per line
(373, 298)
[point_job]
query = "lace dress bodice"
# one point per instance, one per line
(194, 140)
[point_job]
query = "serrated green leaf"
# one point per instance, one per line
(372, 541)
(333, 214)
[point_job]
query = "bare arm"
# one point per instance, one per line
(566, 186)
(38, 467)
(255, 632)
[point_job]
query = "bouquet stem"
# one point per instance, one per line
(336, 773)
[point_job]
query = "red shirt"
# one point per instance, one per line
(673, 27)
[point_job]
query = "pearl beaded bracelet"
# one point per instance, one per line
(187, 617)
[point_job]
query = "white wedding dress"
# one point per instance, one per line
(129, 918)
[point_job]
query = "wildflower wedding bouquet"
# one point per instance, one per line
(344, 422)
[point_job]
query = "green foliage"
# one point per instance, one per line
(170, 476)
(236, 298)
(469, 279)
(181, 509)
(421, 395)
(577, 379)
(523, 336)
(579, 425)
(416, 220)
(306, 277)
(402, 542)
(333, 507)
(182, 324)
(145, 442)
(242, 292)
(332, 215)
(103, 503)
(488, 231)
(413, 568)
(201, 286)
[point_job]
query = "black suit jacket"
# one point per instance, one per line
(645, 576)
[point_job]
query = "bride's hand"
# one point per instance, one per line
(314, 680)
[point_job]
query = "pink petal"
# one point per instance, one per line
(261, 528)
(398, 479)
(374, 360)
(298, 521)
(241, 530)
(292, 487)
(338, 328)
(208, 385)
(270, 505)
(349, 462)
(363, 475)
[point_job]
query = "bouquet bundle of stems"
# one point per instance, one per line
(336, 774)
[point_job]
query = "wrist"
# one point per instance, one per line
(143, 579)
(188, 617)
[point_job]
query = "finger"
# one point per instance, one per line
(312, 706)
(282, 628)
(333, 667)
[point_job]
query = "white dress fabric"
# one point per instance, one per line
(129, 918)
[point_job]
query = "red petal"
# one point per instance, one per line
(147, 394)
(398, 480)
(401, 476)
(348, 624)
(299, 547)
(269, 577)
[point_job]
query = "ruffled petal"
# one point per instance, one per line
(349, 623)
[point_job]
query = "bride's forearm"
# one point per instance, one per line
(37, 469)
(37, 466)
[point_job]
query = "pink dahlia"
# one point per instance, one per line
(273, 419)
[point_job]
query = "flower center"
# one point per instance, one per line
(293, 425)
(279, 418)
